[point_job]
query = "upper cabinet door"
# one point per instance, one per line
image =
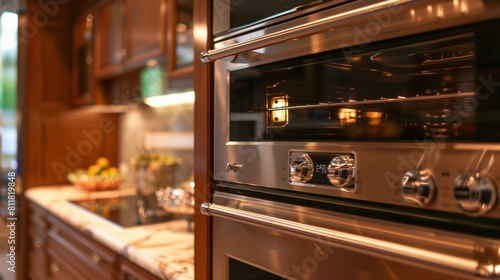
(109, 50)
(81, 57)
(145, 23)
(181, 46)
(128, 34)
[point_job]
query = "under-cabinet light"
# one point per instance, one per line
(170, 99)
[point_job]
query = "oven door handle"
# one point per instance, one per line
(353, 242)
(306, 29)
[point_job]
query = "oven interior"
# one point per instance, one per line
(415, 88)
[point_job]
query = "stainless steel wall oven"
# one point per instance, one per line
(356, 139)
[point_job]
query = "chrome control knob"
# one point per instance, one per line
(418, 187)
(301, 169)
(342, 171)
(474, 194)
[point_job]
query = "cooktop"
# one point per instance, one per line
(122, 210)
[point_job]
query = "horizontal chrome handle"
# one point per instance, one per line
(367, 245)
(306, 29)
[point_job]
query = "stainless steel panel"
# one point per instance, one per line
(284, 246)
(357, 24)
(380, 168)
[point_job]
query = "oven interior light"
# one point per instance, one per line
(171, 99)
(347, 116)
(279, 116)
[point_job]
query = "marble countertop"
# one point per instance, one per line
(165, 249)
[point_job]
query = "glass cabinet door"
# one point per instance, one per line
(181, 48)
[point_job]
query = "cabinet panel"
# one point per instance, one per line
(59, 251)
(88, 258)
(44, 60)
(109, 50)
(128, 34)
(73, 141)
(181, 44)
(36, 232)
(37, 266)
(81, 57)
(61, 267)
(55, 49)
(131, 271)
(145, 30)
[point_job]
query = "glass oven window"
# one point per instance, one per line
(412, 89)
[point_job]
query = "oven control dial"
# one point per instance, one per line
(342, 171)
(475, 194)
(418, 187)
(301, 169)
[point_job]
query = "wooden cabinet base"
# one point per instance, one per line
(59, 251)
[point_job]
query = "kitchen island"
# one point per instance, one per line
(163, 249)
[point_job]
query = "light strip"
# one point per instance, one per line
(170, 99)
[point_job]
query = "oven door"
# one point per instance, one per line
(394, 86)
(260, 239)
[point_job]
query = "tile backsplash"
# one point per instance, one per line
(167, 129)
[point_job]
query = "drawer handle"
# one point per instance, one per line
(95, 258)
(54, 267)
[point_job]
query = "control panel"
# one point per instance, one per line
(474, 193)
(335, 170)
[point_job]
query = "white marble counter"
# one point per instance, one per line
(165, 249)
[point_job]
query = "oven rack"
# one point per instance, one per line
(419, 102)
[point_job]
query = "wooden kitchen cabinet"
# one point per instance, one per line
(52, 132)
(108, 38)
(37, 256)
(145, 31)
(59, 251)
(61, 268)
(180, 54)
(128, 33)
(81, 254)
(130, 271)
(82, 52)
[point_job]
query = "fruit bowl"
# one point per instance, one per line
(98, 177)
(82, 179)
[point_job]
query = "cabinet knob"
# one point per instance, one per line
(120, 54)
(37, 244)
(95, 258)
(54, 267)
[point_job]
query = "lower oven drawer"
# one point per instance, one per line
(270, 240)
